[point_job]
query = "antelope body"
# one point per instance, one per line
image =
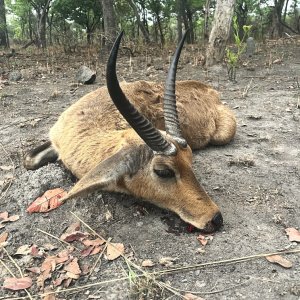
(151, 160)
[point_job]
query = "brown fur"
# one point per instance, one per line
(98, 146)
(93, 129)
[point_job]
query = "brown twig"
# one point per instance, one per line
(221, 262)
(13, 167)
(56, 238)
(19, 269)
(97, 261)
(129, 262)
(226, 261)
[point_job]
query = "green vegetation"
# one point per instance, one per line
(155, 21)
(233, 56)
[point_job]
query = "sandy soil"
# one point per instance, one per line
(255, 180)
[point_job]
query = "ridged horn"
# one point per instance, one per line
(170, 109)
(150, 135)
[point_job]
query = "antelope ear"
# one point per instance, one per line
(108, 175)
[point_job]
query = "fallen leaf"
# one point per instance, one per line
(201, 238)
(49, 247)
(67, 282)
(73, 227)
(62, 259)
(108, 215)
(3, 215)
(73, 267)
(86, 251)
(191, 297)
(167, 261)
(73, 236)
(66, 252)
(36, 252)
(16, 284)
(90, 250)
(72, 275)
(96, 242)
(49, 264)
(5, 218)
(277, 61)
(12, 218)
(200, 250)
(60, 279)
(277, 259)
(3, 237)
(6, 168)
(49, 296)
(47, 267)
(96, 250)
(85, 269)
(23, 250)
(35, 270)
(293, 234)
(50, 200)
(114, 250)
(148, 263)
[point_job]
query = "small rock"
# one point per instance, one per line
(250, 48)
(158, 64)
(85, 75)
(254, 117)
(15, 76)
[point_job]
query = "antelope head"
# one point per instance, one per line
(152, 164)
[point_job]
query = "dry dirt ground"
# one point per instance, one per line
(255, 180)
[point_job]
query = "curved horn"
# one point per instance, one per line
(170, 109)
(151, 136)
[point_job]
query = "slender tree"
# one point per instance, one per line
(206, 17)
(140, 23)
(109, 19)
(42, 8)
(220, 31)
(180, 12)
(86, 13)
(4, 42)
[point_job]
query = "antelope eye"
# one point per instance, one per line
(164, 173)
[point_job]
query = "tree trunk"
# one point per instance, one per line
(285, 10)
(206, 17)
(30, 29)
(189, 15)
(3, 28)
(185, 20)
(276, 29)
(42, 31)
(179, 19)
(140, 23)
(88, 36)
(162, 38)
(42, 12)
(242, 15)
(50, 24)
(220, 31)
(109, 18)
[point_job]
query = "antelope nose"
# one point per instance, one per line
(217, 220)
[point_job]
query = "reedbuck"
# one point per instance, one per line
(142, 147)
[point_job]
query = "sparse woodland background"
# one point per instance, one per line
(73, 24)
